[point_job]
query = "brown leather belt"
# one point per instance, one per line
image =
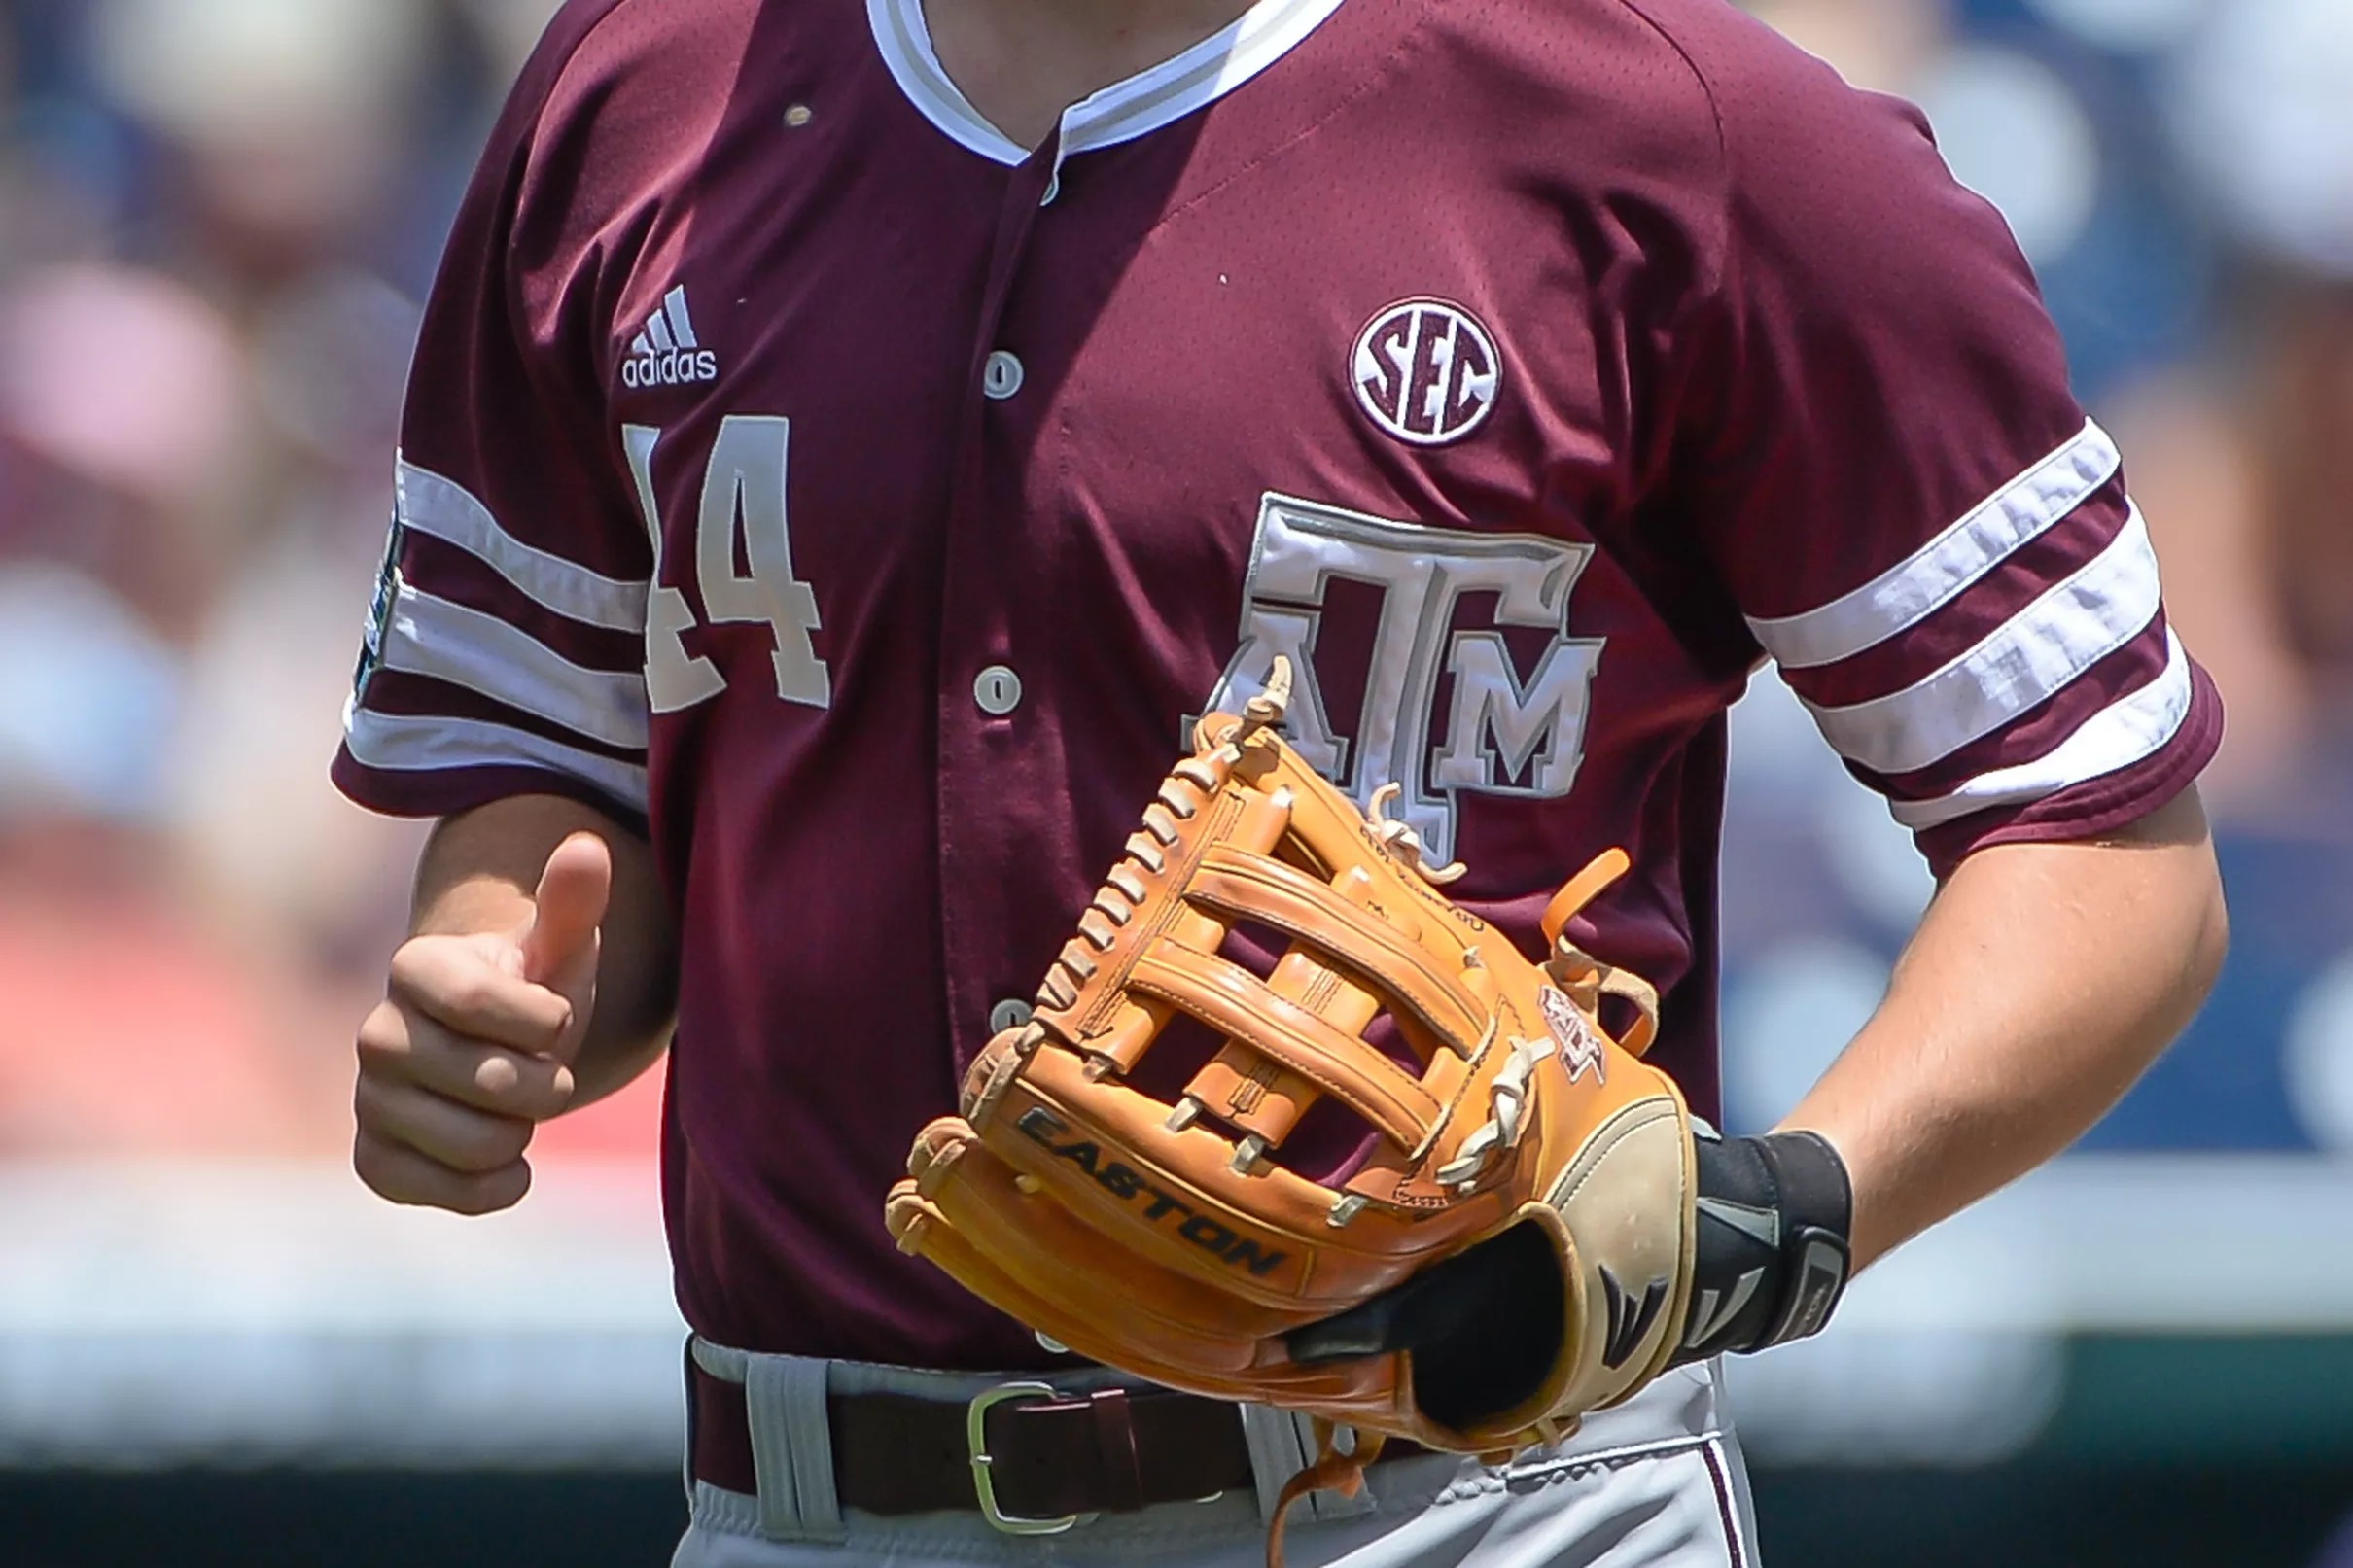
(1047, 1458)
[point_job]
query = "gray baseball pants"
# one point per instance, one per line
(1657, 1483)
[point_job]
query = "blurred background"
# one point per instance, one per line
(217, 218)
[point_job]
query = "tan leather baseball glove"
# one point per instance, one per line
(1170, 1239)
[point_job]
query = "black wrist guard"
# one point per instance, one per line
(1772, 1254)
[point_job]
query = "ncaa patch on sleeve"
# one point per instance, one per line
(380, 611)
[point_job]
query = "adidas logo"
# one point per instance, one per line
(667, 352)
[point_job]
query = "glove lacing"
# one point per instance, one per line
(1508, 1096)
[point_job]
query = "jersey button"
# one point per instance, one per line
(1008, 1015)
(998, 692)
(1002, 375)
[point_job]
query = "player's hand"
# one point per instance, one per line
(472, 1045)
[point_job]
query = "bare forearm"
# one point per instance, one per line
(2045, 979)
(477, 873)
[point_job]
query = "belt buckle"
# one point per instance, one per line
(984, 1483)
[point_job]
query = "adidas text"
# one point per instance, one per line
(668, 353)
(684, 367)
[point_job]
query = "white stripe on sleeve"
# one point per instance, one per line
(2026, 661)
(446, 510)
(2132, 728)
(1935, 574)
(431, 636)
(400, 743)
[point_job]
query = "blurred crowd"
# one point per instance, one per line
(217, 218)
(2180, 172)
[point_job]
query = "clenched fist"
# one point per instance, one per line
(474, 1043)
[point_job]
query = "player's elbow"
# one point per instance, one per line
(2185, 924)
(2204, 907)
(2210, 943)
(2200, 919)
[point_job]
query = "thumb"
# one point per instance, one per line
(559, 949)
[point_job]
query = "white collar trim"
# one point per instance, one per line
(1121, 112)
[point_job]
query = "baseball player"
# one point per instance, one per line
(849, 445)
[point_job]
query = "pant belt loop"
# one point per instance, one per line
(793, 1448)
(687, 1458)
(1282, 1444)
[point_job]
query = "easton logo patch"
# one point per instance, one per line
(1580, 1051)
(1128, 1185)
(1629, 1317)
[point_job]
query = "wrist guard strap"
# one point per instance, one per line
(1773, 1252)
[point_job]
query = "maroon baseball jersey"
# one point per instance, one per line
(865, 504)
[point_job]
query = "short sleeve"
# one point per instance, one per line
(504, 649)
(1897, 486)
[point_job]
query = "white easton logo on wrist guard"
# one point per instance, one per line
(1715, 1309)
